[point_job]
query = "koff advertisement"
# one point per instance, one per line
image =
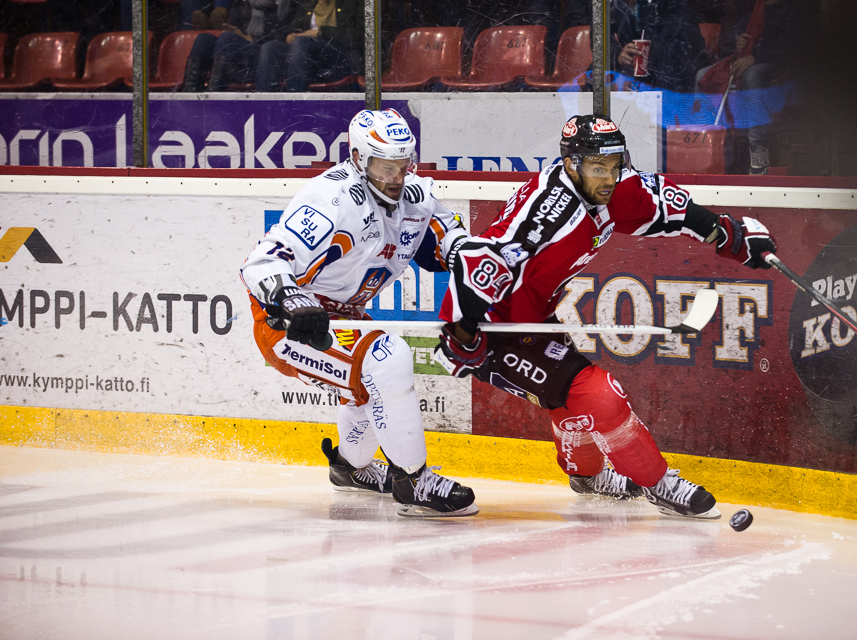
(135, 304)
(772, 378)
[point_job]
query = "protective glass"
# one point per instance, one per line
(390, 171)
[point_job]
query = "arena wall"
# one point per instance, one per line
(125, 328)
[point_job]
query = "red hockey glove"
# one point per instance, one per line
(303, 319)
(745, 242)
(458, 358)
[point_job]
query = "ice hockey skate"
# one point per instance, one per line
(374, 477)
(675, 496)
(608, 483)
(425, 494)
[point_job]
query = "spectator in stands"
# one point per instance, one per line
(677, 50)
(233, 56)
(757, 61)
(324, 44)
(201, 15)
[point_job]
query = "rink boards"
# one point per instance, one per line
(126, 328)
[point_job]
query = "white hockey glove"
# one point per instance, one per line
(303, 319)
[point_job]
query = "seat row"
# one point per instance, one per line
(503, 57)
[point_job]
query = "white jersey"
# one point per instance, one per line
(335, 241)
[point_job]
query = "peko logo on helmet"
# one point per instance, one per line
(364, 119)
(398, 133)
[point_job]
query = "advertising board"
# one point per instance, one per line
(133, 303)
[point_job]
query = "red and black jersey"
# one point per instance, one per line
(517, 269)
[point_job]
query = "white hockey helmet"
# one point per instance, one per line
(380, 134)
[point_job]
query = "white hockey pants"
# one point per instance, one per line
(392, 416)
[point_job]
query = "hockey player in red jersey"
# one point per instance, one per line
(516, 271)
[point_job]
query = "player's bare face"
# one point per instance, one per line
(597, 177)
(388, 176)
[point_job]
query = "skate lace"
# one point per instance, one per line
(429, 481)
(680, 488)
(608, 481)
(372, 472)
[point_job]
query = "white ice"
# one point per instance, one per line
(123, 547)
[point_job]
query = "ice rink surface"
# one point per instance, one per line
(123, 547)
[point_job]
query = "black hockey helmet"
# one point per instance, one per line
(594, 135)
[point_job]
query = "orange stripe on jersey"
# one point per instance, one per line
(343, 240)
(439, 233)
(313, 271)
(341, 244)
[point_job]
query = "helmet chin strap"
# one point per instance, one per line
(381, 196)
(578, 186)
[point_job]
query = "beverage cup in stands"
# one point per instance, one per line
(641, 62)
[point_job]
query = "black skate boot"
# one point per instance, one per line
(375, 477)
(675, 496)
(425, 494)
(607, 483)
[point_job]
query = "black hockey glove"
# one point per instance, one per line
(458, 358)
(745, 242)
(303, 319)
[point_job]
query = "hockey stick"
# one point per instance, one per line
(801, 284)
(701, 310)
(723, 102)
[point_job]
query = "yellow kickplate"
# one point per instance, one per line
(731, 481)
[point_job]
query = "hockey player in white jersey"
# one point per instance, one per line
(343, 238)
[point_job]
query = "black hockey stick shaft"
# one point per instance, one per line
(801, 284)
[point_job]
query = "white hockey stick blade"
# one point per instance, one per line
(701, 311)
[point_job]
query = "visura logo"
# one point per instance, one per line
(32, 239)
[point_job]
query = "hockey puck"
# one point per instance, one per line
(741, 520)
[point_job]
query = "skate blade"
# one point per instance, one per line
(415, 511)
(336, 487)
(604, 496)
(711, 514)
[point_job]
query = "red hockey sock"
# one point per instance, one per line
(598, 407)
(576, 452)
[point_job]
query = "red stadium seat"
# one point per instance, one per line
(573, 57)
(172, 59)
(40, 57)
(696, 149)
(108, 63)
(420, 56)
(711, 35)
(500, 56)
